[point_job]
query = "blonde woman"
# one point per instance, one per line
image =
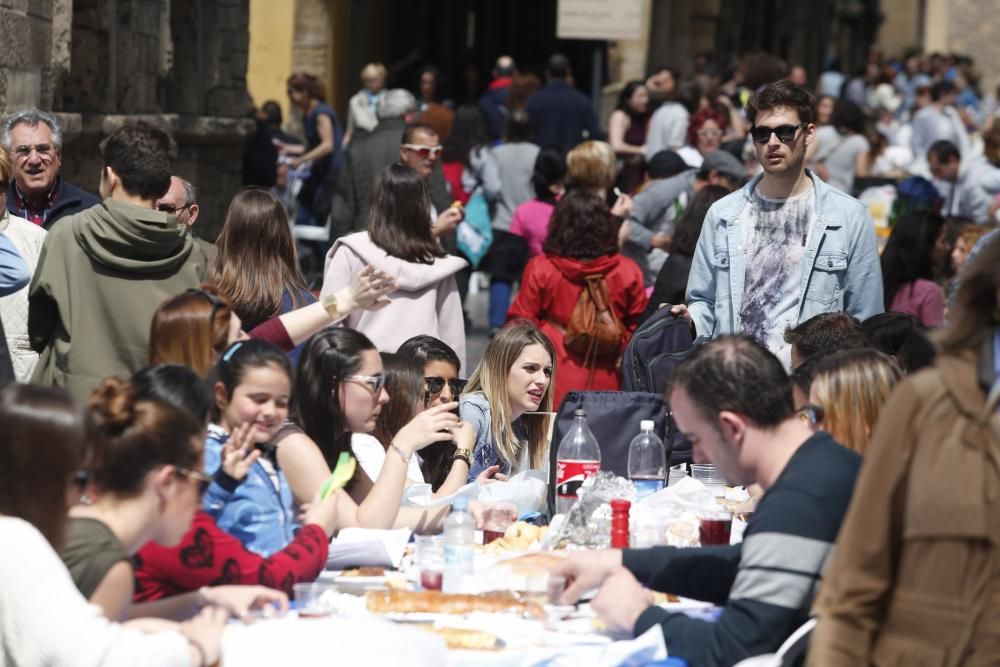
(361, 116)
(850, 388)
(592, 166)
(506, 400)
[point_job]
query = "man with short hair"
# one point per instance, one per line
(493, 102)
(733, 400)
(825, 333)
(787, 246)
(103, 272)
(180, 200)
(37, 193)
(655, 210)
(561, 116)
(957, 182)
(939, 121)
(367, 155)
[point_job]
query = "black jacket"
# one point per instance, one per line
(494, 106)
(562, 116)
(69, 200)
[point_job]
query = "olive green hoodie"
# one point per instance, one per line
(101, 275)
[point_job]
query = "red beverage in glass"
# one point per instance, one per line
(490, 535)
(430, 580)
(715, 531)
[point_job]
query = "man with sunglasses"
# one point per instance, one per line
(787, 246)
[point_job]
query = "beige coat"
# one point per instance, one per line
(27, 238)
(916, 577)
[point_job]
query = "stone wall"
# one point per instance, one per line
(26, 75)
(972, 30)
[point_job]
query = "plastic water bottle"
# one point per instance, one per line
(578, 458)
(647, 461)
(459, 539)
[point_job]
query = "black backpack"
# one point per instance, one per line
(613, 417)
(656, 348)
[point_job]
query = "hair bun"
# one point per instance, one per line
(113, 403)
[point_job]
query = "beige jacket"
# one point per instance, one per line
(916, 577)
(27, 238)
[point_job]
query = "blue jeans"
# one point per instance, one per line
(499, 302)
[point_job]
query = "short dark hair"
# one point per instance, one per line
(141, 154)
(424, 349)
(900, 335)
(779, 94)
(399, 216)
(272, 112)
(412, 129)
(944, 151)
(942, 88)
(582, 227)
(826, 332)
(517, 129)
(177, 385)
(847, 116)
(557, 66)
(736, 374)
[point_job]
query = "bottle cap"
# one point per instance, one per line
(646, 425)
(460, 504)
(579, 412)
(620, 505)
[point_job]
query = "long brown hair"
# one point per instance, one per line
(44, 434)
(257, 264)
(399, 216)
(582, 227)
(404, 382)
(490, 378)
(975, 311)
(185, 331)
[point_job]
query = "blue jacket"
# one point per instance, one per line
(844, 273)
(562, 116)
(69, 200)
(474, 409)
(14, 271)
(257, 514)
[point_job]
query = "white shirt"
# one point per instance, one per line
(46, 621)
(371, 457)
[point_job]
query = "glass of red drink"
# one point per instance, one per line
(496, 520)
(430, 561)
(715, 528)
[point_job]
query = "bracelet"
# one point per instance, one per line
(402, 454)
(462, 455)
(202, 657)
(331, 306)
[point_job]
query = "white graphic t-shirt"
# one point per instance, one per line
(775, 233)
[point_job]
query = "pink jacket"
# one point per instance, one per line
(426, 301)
(531, 220)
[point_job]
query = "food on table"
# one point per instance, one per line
(364, 572)
(518, 537)
(663, 598)
(459, 638)
(435, 602)
(533, 563)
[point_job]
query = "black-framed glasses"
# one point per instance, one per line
(172, 210)
(43, 150)
(785, 133)
(811, 413)
(196, 476)
(435, 385)
(373, 382)
(212, 299)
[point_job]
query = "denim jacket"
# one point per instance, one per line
(474, 409)
(844, 273)
(260, 516)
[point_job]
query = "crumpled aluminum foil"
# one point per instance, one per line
(588, 523)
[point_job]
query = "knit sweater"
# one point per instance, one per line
(28, 239)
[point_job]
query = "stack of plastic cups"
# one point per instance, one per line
(708, 475)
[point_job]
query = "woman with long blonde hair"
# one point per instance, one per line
(507, 401)
(850, 388)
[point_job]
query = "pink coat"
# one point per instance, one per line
(426, 301)
(531, 220)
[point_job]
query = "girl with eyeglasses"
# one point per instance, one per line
(340, 391)
(252, 390)
(46, 619)
(144, 462)
(705, 133)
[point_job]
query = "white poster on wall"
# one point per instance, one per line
(599, 19)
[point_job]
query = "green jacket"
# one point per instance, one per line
(101, 275)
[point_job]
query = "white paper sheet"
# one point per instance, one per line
(367, 547)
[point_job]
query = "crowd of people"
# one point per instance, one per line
(175, 407)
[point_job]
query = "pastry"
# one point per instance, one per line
(458, 638)
(435, 602)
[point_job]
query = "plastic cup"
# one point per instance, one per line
(715, 528)
(309, 599)
(430, 561)
(496, 520)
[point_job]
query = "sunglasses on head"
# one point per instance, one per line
(197, 476)
(424, 152)
(785, 133)
(435, 385)
(212, 299)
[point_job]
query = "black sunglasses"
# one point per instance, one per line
(785, 133)
(435, 385)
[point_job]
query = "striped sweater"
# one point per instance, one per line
(766, 585)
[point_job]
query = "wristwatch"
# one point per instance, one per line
(463, 455)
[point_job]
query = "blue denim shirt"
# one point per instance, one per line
(260, 516)
(474, 409)
(841, 269)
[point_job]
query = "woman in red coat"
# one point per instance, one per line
(582, 241)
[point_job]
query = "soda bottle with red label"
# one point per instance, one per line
(578, 458)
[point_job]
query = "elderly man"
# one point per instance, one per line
(180, 200)
(391, 141)
(33, 140)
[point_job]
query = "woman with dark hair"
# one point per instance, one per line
(433, 111)
(548, 180)
(908, 268)
(671, 282)
(582, 242)
(704, 136)
(46, 619)
(842, 151)
(902, 338)
(399, 242)
(257, 267)
(627, 133)
(466, 158)
(912, 577)
(323, 147)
